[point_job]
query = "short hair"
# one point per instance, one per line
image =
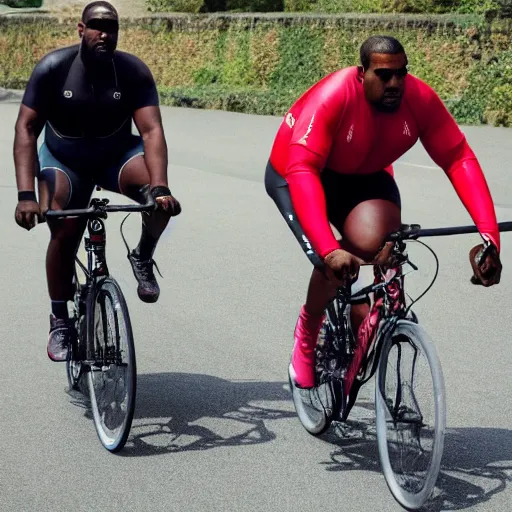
(378, 44)
(99, 3)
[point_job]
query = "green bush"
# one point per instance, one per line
(407, 6)
(331, 6)
(488, 97)
(255, 5)
(20, 4)
(499, 108)
(301, 62)
(193, 6)
(247, 101)
(297, 5)
(197, 6)
(263, 69)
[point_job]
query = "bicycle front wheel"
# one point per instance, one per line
(112, 375)
(410, 414)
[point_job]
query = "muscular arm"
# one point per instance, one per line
(149, 123)
(148, 119)
(309, 148)
(449, 149)
(308, 200)
(27, 129)
(30, 122)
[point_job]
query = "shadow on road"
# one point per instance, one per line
(179, 412)
(476, 464)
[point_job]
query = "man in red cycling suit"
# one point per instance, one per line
(331, 162)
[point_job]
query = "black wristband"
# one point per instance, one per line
(160, 191)
(27, 195)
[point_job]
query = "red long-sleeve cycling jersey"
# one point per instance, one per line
(333, 126)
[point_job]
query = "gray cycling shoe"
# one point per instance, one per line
(59, 339)
(148, 289)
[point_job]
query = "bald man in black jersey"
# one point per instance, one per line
(85, 97)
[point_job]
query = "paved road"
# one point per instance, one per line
(215, 428)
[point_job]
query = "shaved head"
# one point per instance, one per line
(99, 10)
(379, 44)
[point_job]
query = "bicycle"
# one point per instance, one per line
(102, 347)
(392, 346)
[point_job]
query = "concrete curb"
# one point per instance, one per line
(10, 95)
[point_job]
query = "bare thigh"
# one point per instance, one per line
(365, 229)
(133, 176)
(54, 193)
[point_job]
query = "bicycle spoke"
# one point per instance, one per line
(410, 415)
(112, 377)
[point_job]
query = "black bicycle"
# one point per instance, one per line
(102, 350)
(410, 404)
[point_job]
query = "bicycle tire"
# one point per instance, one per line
(315, 407)
(107, 313)
(74, 360)
(319, 406)
(411, 497)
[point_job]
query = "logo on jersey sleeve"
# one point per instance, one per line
(406, 129)
(290, 120)
(350, 133)
(68, 94)
(117, 95)
(304, 138)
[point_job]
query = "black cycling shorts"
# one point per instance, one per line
(81, 185)
(343, 193)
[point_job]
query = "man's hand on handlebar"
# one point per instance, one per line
(27, 214)
(486, 264)
(165, 200)
(342, 267)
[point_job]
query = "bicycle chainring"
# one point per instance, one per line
(332, 354)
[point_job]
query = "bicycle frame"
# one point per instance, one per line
(388, 307)
(103, 323)
(95, 244)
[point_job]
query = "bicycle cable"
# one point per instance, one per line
(433, 280)
(122, 234)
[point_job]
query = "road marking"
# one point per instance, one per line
(418, 165)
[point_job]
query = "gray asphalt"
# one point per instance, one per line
(214, 427)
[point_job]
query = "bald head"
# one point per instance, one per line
(379, 44)
(99, 10)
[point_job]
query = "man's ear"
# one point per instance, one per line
(81, 28)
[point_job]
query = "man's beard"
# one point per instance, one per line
(391, 106)
(101, 54)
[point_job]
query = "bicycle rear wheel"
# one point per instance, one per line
(410, 414)
(314, 406)
(112, 376)
(317, 407)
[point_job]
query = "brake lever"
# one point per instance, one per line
(485, 251)
(146, 193)
(411, 263)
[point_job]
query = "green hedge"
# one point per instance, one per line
(488, 97)
(22, 3)
(261, 65)
(244, 100)
(329, 6)
(203, 6)
(401, 6)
